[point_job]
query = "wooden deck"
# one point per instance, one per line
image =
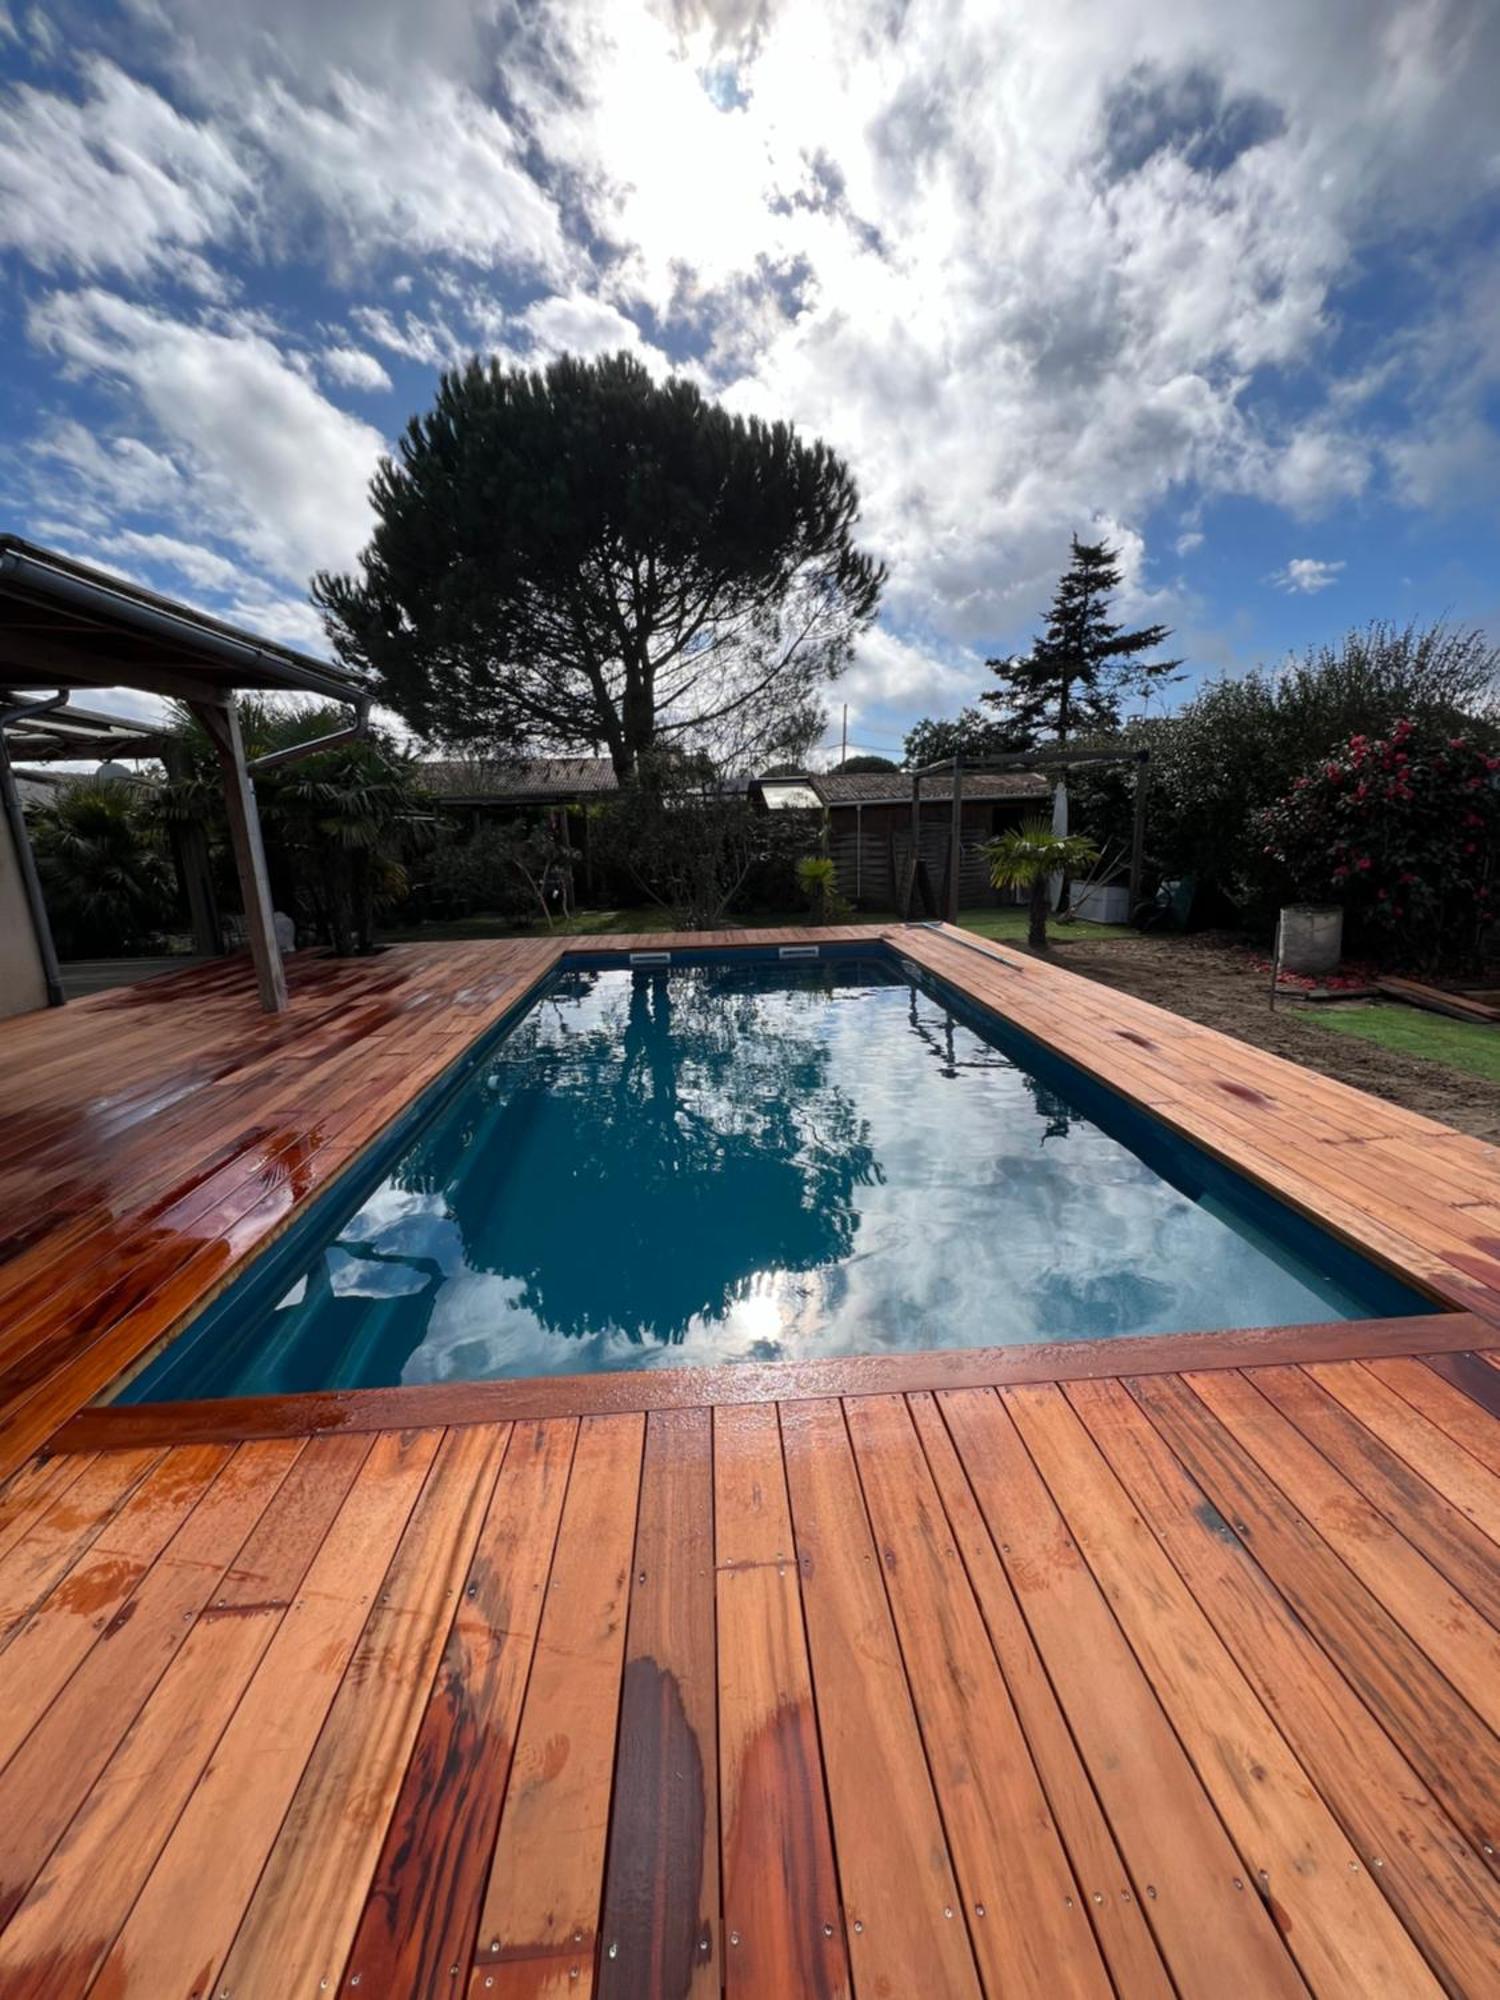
(872, 1679)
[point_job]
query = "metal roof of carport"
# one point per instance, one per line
(64, 623)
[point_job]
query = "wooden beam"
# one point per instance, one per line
(222, 726)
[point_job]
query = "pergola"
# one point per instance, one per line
(1056, 758)
(66, 626)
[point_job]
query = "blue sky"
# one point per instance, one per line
(1222, 285)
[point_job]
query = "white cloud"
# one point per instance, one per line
(424, 165)
(117, 181)
(355, 369)
(1306, 574)
(415, 338)
(1032, 269)
(254, 451)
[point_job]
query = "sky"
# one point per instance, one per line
(1221, 285)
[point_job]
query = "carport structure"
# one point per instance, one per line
(65, 625)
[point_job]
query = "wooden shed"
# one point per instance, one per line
(870, 825)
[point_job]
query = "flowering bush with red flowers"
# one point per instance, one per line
(1402, 831)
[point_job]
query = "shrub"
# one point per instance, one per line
(817, 878)
(1400, 830)
(690, 846)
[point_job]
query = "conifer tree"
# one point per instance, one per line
(1083, 665)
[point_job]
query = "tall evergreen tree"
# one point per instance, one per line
(584, 556)
(1083, 665)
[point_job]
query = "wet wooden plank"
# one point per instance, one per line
(1445, 1895)
(1443, 1404)
(1027, 1917)
(302, 1918)
(1214, 1936)
(783, 1924)
(1335, 1920)
(1440, 1620)
(65, 1532)
(61, 1933)
(903, 1907)
(1105, 1893)
(1466, 1483)
(660, 1928)
(540, 1916)
(182, 1925)
(416, 1934)
(51, 1773)
(28, 1494)
(46, 1649)
(1464, 1554)
(1457, 1755)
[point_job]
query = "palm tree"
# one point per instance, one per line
(108, 884)
(1027, 857)
(338, 825)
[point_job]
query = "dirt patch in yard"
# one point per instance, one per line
(1214, 979)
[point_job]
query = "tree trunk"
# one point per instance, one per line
(1036, 931)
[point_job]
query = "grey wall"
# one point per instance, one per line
(22, 985)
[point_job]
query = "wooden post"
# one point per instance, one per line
(1138, 831)
(916, 843)
(222, 726)
(955, 845)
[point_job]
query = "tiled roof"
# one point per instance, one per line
(535, 779)
(889, 788)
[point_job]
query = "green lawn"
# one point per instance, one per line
(1461, 1045)
(1006, 926)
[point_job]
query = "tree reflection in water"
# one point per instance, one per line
(639, 1160)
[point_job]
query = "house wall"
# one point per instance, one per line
(871, 849)
(22, 984)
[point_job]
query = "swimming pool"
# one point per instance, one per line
(735, 1157)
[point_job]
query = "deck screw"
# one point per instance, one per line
(1353, 1867)
(494, 1944)
(1238, 1883)
(578, 1937)
(1097, 1897)
(947, 1909)
(828, 1930)
(979, 1909)
(858, 1926)
(574, 1973)
(1067, 1902)
(1488, 1849)
(1151, 1891)
(354, 1980)
(1378, 1862)
(614, 1950)
(734, 1937)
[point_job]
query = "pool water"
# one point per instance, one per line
(756, 1161)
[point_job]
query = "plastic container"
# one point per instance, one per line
(1312, 937)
